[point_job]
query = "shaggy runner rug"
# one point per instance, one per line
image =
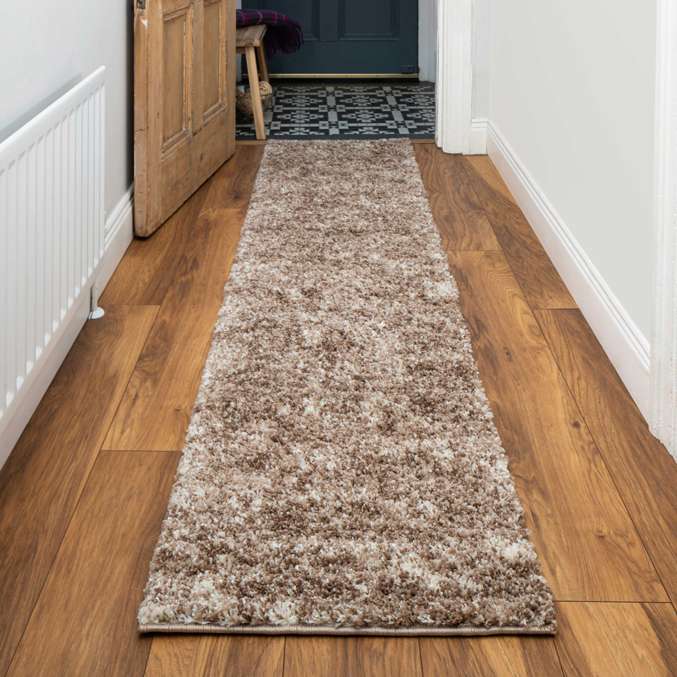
(342, 473)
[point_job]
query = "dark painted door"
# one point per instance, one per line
(349, 36)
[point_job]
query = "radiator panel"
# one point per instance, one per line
(51, 232)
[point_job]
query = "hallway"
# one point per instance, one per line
(76, 536)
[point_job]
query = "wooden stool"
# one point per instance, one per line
(249, 41)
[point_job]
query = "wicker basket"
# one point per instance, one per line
(244, 99)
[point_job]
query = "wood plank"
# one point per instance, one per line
(156, 408)
(540, 281)
(84, 622)
(490, 656)
(263, 63)
(216, 656)
(255, 93)
(623, 640)
(149, 267)
(43, 477)
(485, 168)
(458, 215)
(587, 543)
(641, 467)
(364, 656)
(250, 36)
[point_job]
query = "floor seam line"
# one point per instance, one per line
(559, 658)
(56, 556)
(129, 380)
(580, 410)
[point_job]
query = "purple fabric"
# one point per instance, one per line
(283, 34)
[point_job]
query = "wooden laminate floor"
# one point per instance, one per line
(83, 494)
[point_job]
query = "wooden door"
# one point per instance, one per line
(349, 36)
(184, 101)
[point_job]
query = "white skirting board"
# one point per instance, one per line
(627, 348)
(478, 137)
(119, 232)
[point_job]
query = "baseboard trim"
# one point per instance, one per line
(118, 231)
(478, 137)
(627, 348)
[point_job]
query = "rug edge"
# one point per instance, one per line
(351, 631)
(327, 630)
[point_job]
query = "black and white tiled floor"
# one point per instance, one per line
(347, 110)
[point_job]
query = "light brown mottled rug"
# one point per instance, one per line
(342, 473)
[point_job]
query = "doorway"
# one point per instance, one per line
(349, 37)
(445, 56)
(356, 75)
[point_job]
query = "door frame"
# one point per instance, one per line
(454, 76)
(663, 374)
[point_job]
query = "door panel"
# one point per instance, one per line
(349, 36)
(214, 71)
(184, 115)
(176, 86)
(378, 19)
(306, 12)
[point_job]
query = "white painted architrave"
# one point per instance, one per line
(663, 380)
(454, 75)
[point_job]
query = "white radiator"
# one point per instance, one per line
(51, 241)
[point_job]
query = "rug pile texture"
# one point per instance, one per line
(342, 472)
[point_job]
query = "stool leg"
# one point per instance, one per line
(263, 66)
(257, 107)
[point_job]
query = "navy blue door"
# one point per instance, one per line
(349, 36)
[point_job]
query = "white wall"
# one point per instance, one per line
(572, 91)
(47, 45)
